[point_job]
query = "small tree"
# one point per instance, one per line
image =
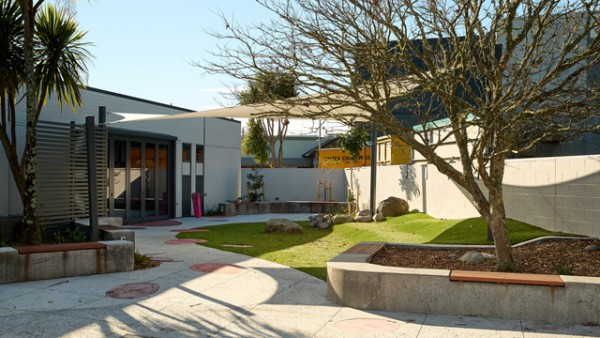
(507, 75)
(355, 140)
(254, 142)
(255, 185)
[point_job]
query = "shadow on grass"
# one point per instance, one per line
(474, 231)
(258, 243)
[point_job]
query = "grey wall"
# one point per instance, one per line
(299, 184)
(559, 193)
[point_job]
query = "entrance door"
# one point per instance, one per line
(139, 184)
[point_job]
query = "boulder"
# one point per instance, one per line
(282, 226)
(313, 220)
(364, 216)
(340, 219)
(364, 212)
(592, 248)
(326, 222)
(393, 206)
(472, 257)
(453, 256)
(378, 217)
(321, 221)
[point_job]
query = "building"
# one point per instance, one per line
(153, 166)
(294, 151)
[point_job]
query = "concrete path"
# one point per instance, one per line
(248, 297)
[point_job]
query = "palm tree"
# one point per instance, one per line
(59, 62)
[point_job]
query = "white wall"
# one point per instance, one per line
(222, 162)
(559, 194)
(299, 184)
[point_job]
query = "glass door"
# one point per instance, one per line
(150, 181)
(135, 182)
(139, 182)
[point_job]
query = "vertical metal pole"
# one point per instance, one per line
(373, 168)
(101, 115)
(90, 131)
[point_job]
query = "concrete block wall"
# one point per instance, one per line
(15, 267)
(558, 194)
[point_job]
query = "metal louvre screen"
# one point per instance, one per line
(62, 171)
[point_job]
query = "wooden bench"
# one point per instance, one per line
(365, 249)
(60, 247)
(506, 278)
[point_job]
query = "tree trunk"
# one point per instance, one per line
(31, 232)
(497, 218)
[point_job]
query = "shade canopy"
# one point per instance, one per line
(330, 106)
(297, 108)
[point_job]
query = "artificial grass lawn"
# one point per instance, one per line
(310, 251)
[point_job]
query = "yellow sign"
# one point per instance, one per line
(391, 150)
(331, 158)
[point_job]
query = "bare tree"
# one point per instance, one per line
(506, 75)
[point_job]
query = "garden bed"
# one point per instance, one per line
(352, 281)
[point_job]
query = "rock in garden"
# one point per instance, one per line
(363, 216)
(488, 255)
(378, 217)
(340, 219)
(363, 219)
(314, 220)
(364, 212)
(453, 256)
(325, 223)
(472, 257)
(321, 221)
(592, 248)
(393, 206)
(282, 226)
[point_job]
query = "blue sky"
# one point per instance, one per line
(145, 48)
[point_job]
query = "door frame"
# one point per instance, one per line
(143, 138)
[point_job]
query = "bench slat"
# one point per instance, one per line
(506, 278)
(364, 249)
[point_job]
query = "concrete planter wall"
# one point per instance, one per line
(77, 260)
(250, 208)
(353, 282)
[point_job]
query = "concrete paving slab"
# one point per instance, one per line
(49, 300)
(218, 296)
(195, 321)
(278, 324)
(16, 319)
(349, 322)
(472, 327)
(310, 291)
(67, 326)
(538, 329)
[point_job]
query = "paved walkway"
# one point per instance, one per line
(248, 298)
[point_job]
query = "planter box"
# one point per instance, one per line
(64, 260)
(353, 282)
(249, 208)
